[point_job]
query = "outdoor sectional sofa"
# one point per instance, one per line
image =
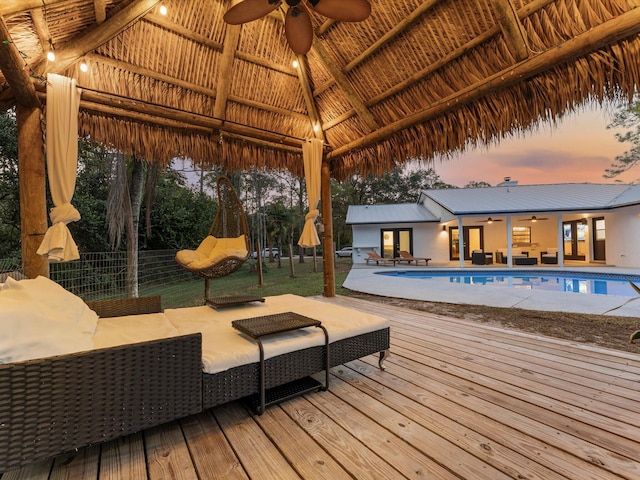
(56, 404)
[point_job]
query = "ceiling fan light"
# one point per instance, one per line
(534, 219)
(489, 220)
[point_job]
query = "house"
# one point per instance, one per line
(582, 223)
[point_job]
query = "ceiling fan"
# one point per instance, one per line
(489, 220)
(533, 219)
(297, 23)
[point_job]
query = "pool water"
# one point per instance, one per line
(598, 284)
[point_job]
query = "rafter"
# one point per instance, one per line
(344, 84)
(425, 72)
(100, 7)
(616, 29)
(312, 108)
(232, 36)
(41, 27)
(95, 58)
(14, 70)
(93, 37)
(384, 40)
(512, 29)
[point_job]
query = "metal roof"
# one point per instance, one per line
(534, 198)
(399, 213)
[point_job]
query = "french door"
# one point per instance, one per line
(473, 240)
(395, 239)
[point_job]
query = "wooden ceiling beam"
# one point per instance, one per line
(15, 71)
(403, 25)
(94, 36)
(95, 58)
(41, 27)
(163, 22)
(312, 108)
(324, 28)
(225, 70)
(512, 29)
(11, 7)
(343, 83)
(612, 31)
(425, 72)
(100, 7)
(126, 107)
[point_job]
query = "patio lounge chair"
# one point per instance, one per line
(56, 404)
(407, 257)
(374, 257)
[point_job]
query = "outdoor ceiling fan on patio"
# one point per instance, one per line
(533, 219)
(489, 220)
(297, 23)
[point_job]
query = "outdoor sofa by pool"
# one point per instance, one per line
(148, 367)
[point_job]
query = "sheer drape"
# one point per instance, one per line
(312, 157)
(63, 102)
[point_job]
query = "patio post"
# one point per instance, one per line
(33, 203)
(327, 235)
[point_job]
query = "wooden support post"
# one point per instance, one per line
(33, 200)
(327, 236)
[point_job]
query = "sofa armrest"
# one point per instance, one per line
(120, 307)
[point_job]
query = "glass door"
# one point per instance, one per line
(396, 239)
(473, 240)
(598, 239)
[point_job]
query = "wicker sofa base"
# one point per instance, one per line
(243, 381)
(54, 405)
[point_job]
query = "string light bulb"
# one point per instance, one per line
(84, 67)
(163, 10)
(51, 56)
(295, 64)
(316, 127)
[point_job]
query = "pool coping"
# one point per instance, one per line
(364, 280)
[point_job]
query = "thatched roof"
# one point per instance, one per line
(417, 78)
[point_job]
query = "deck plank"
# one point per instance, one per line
(167, 453)
(355, 448)
(306, 456)
(212, 455)
(80, 466)
(458, 400)
(260, 458)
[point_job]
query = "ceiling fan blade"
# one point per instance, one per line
(298, 29)
(250, 10)
(342, 10)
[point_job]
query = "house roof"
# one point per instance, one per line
(400, 213)
(417, 78)
(534, 198)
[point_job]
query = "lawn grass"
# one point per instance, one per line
(277, 281)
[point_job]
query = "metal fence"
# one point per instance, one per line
(100, 275)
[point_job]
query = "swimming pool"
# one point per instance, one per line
(556, 281)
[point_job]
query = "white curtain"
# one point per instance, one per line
(312, 157)
(63, 103)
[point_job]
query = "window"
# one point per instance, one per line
(521, 235)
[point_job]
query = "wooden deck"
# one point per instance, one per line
(458, 400)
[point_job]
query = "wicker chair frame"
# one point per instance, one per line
(230, 222)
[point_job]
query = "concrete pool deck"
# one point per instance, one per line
(364, 279)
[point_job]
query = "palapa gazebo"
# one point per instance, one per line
(415, 78)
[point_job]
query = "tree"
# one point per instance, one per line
(9, 187)
(476, 184)
(626, 117)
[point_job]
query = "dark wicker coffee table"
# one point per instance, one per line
(232, 301)
(258, 327)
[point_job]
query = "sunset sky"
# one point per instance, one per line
(577, 150)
